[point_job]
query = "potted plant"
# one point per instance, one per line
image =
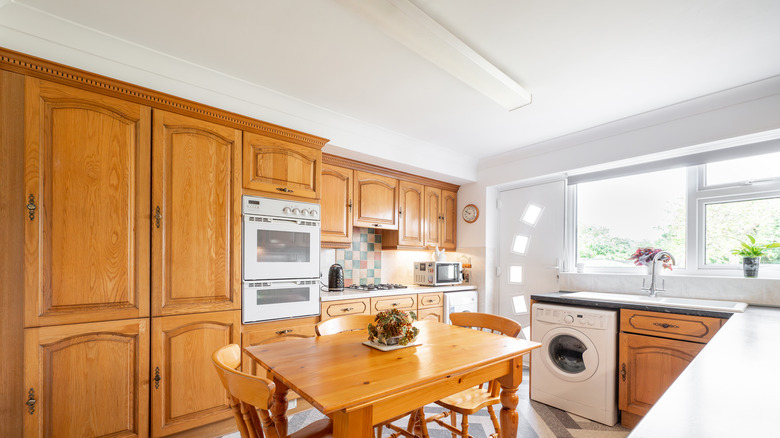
(393, 327)
(644, 257)
(751, 254)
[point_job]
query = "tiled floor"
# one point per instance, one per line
(536, 421)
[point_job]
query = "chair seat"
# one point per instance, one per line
(319, 429)
(468, 401)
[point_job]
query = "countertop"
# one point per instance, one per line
(729, 390)
(352, 293)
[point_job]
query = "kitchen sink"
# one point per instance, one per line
(685, 303)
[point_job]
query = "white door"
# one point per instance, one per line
(531, 230)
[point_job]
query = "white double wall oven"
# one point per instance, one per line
(280, 259)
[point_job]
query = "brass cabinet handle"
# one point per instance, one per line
(31, 401)
(623, 372)
(396, 304)
(400, 212)
(157, 217)
(429, 301)
(31, 208)
(377, 226)
(347, 309)
(350, 206)
(284, 189)
(282, 332)
(665, 325)
(157, 378)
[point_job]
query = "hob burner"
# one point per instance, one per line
(374, 287)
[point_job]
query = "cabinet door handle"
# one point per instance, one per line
(665, 325)
(623, 372)
(31, 207)
(157, 378)
(347, 309)
(396, 304)
(157, 217)
(31, 401)
(377, 226)
(400, 211)
(350, 206)
(284, 189)
(283, 332)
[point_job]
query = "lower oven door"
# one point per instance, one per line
(279, 299)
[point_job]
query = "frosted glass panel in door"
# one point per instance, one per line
(532, 244)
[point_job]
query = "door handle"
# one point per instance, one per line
(623, 372)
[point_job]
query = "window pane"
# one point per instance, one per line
(516, 274)
(619, 215)
(729, 222)
(743, 169)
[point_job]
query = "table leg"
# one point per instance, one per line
(509, 416)
(355, 424)
(279, 408)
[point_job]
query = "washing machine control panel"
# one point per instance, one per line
(574, 318)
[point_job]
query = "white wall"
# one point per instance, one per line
(726, 119)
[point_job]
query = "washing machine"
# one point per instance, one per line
(576, 367)
(460, 301)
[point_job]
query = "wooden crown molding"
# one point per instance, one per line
(384, 171)
(54, 72)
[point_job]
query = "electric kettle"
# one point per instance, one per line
(336, 278)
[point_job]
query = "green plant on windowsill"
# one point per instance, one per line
(751, 254)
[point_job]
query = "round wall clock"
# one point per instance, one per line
(470, 213)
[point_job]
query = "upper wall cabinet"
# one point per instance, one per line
(411, 219)
(87, 184)
(376, 201)
(336, 206)
(281, 169)
(196, 264)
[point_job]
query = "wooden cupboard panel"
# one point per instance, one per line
(336, 206)
(648, 366)
(400, 302)
(87, 172)
(433, 313)
(88, 379)
(345, 307)
(196, 241)
(411, 223)
(449, 210)
(669, 325)
(429, 300)
(376, 201)
(280, 168)
(189, 393)
(432, 216)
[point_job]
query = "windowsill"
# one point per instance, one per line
(773, 274)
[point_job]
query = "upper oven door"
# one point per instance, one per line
(275, 248)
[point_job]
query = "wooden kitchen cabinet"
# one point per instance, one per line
(400, 302)
(654, 349)
(336, 206)
(196, 218)
(86, 186)
(433, 314)
(411, 219)
(186, 391)
(441, 218)
(358, 306)
(376, 201)
(428, 300)
(281, 169)
(88, 379)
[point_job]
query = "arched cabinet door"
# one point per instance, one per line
(281, 169)
(376, 204)
(87, 379)
(87, 161)
(336, 205)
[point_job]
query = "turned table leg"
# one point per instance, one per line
(279, 408)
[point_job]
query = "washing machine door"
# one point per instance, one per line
(569, 354)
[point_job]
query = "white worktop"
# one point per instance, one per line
(353, 293)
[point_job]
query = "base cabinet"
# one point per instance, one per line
(186, 391)
(88, 379)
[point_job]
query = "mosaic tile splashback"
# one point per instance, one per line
(363, 261)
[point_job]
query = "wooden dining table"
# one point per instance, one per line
(359, 386)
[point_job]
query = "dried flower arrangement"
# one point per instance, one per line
(644, 257)
(393, 327)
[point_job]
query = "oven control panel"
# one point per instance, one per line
(257, 206)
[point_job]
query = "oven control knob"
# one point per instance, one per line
(296, 211)
(568, 319)
(286, 210)
(313, 213)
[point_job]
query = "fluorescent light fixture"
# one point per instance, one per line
(518, 302)
(531, 214)
(520, 244)
(407, 24)
(516, 274)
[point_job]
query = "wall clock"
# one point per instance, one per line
(470, 213)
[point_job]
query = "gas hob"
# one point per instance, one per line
(375, 287)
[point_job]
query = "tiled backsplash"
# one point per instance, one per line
(363, 262)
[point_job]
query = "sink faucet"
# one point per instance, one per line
(653, 289)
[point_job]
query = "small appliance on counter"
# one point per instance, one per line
(335, 278)
(438, 273)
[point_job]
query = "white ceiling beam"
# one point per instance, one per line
(407, 24)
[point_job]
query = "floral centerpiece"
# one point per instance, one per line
(644, 257)
(393, 327)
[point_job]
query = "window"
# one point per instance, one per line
(698, 213)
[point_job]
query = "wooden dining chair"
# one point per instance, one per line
(348, 323)
(251, 396)
(472, 400)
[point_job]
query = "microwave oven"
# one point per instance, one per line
(437, 273)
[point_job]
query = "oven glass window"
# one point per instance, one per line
(283, 247)
(282, 296)
(446, 273)
(566, 353)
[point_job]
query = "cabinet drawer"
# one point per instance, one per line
(429, 300)
(346, 307)
(433, 314)
(668, 325)
(401, 302)
(275, 331)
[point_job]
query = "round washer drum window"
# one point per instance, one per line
(566, 353)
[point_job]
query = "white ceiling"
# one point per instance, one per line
(317, 66)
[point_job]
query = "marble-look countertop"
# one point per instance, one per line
(352, 293)
(729, 390)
